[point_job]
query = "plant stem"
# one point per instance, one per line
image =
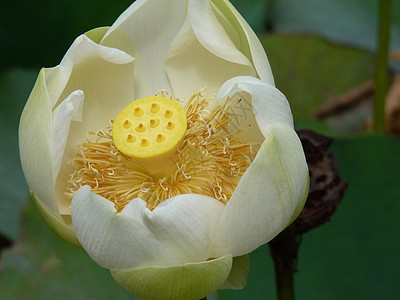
(381, 75)
(284, 249)
(284, 284)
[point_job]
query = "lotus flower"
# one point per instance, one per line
(161, 146)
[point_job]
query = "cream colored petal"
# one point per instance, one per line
(241, 111)
(195, 62)
(105, 76)
(250, 44)
(35, 131)
(237, 278)
(145, 30)
(188, 281)
(56, 223)
(82, 51)
(270, 106)
(301, 203)
(180, 232)
(69, 110)
(267, 195)
(211, 34)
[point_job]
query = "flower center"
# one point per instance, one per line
(208, 158)
(150, 130)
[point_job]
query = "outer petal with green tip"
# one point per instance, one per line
(35, 130)
(191, 281)
(56, 223)
(238, 276)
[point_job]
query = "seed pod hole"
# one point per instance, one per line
(131, 138)
(127, 124)
(154, 123)
(144, 143)
(160, 138)
(155, 108)
(138, 112)
(168, 114)
(140, 128)
(170, 126)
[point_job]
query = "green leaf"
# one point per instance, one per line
(14, 90)
(355, 255)
(43, 266)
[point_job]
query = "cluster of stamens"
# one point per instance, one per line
(210, 160)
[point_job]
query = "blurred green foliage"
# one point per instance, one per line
(310, 71)
(43, 266)
(15, 85)
(348, 22)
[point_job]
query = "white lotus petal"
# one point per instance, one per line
(266, 196)
(105, 76)
(210, 33)
(82, 49)
(69, 110)
(270, 106)
(145, 30)
(241, 111)
(35, 131)
(192, 66)
(177, 233)
(250, 44)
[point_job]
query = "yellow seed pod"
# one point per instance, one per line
(150, 128)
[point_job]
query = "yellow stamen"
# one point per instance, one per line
(210, 160)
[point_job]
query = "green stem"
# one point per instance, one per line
(284, 284)
(284, 249)
(381, 75)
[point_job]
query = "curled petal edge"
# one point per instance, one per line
(187, 281)
(252, 46)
